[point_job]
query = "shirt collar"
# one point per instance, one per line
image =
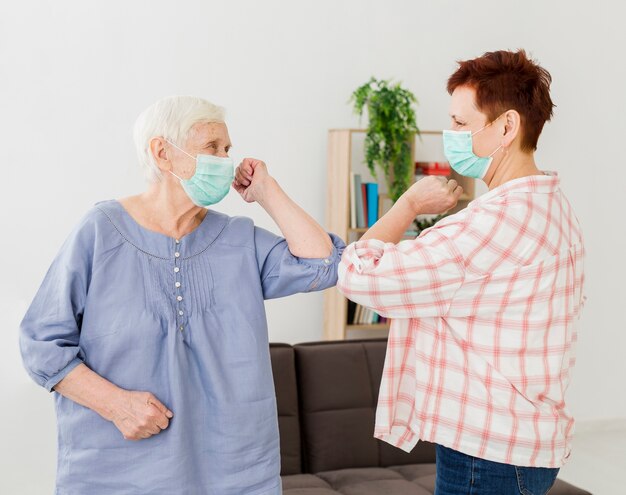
(547, 183)
(159, 245)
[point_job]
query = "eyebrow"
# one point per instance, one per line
(214, 141)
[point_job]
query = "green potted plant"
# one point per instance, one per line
(391, 130)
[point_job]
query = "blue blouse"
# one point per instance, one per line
(183, 319)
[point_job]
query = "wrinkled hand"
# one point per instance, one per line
(140, 415)
(433, 195)
(251, 178)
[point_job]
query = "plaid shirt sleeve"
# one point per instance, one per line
(411, 279)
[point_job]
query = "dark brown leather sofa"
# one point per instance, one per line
(326, 394)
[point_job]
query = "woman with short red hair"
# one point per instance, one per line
(484, 305)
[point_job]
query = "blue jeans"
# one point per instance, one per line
(461, 474)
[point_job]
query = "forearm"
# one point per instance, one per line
(392, 226)
(87, 388)
(305, 237)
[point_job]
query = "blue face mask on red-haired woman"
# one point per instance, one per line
(459, 150)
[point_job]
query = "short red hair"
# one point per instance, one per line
(506, 80)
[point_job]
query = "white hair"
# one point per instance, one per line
(171, 118)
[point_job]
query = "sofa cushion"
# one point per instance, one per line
(306, 484)
(412, 479)
(284, 371)
(371, 481)
(420, 474)
(563, 488)
(424, 475)
(338, 389)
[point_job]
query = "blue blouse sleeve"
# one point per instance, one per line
(50, 330)
(283, 274)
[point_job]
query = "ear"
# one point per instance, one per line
(160, 154)
(512, 122)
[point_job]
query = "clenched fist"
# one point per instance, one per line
(433, 195)
(251, 178)
(140, 415)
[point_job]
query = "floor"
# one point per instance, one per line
(598, 460)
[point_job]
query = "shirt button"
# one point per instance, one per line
(176, 269)
(327, 261)
(179, 298)
(177, 284)
(177, 241)
(177, 254)
(180, 328)
(181, 313)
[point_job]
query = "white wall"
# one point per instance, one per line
(74, 74)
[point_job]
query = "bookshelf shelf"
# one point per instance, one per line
(374, 326)
(340, 154)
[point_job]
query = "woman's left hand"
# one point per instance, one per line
(251, 179)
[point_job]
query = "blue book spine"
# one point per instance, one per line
(372, 203)
(358, 194)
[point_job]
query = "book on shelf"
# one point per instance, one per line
(351, 311)
(372, 203)
(357, 194)
(367, 316)
(384, 204)
(364, 197)
(360, 315)
(356, 316)
(364, 202)
(352, 203)
(433, 168)
(368, 205)
(364, 316)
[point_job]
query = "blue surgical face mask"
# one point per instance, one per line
(211, 181)
(459, 150)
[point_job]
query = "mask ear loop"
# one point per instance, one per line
(483, 128)
(499, 147)
(179, 149)
(175, 175)
(495, 151)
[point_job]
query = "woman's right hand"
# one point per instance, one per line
(251, 180)
(140, 415)
(433, 195)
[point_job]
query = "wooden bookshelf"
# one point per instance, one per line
(339, 167)
(371, 326)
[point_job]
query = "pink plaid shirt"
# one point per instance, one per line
(484, 307)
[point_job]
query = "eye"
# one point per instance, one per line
(456, 123)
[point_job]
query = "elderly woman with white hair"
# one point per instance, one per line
(150, 324)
